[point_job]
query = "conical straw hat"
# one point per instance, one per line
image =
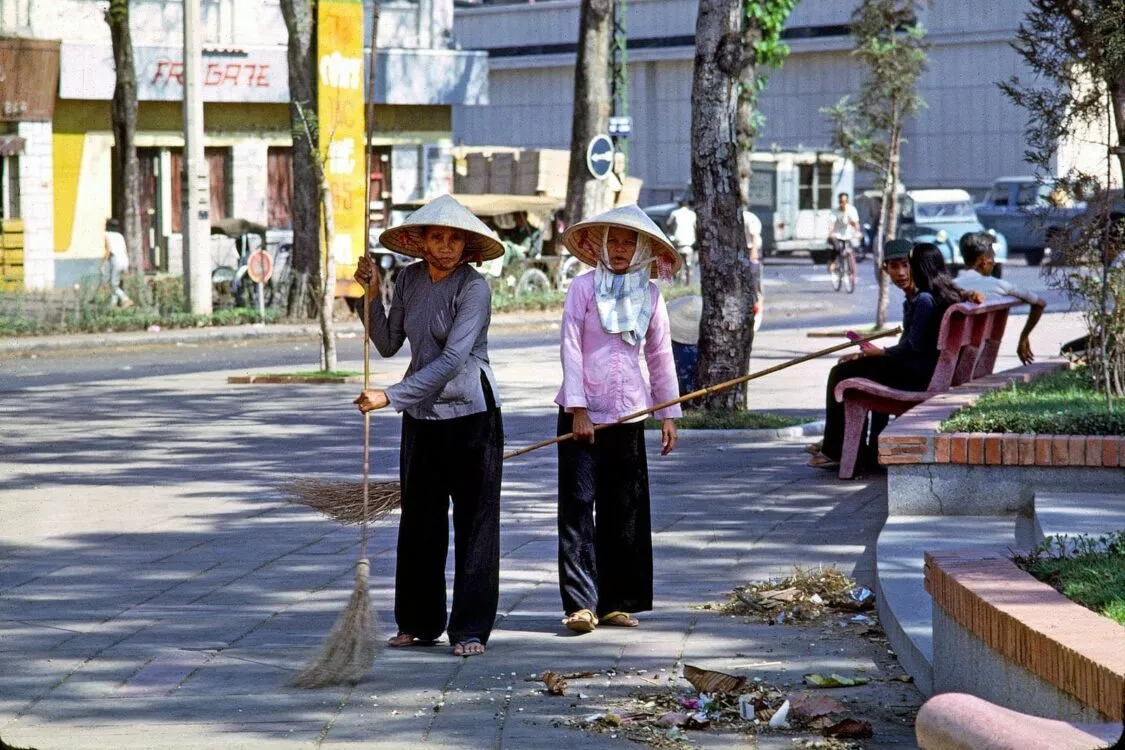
(481, 243)
(684, 315)
(584, 239)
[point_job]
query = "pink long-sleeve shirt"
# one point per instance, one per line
(602, 373)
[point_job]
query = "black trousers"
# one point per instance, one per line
(896, 372)
(605, 531)
(458, 459)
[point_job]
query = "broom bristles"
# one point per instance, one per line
(343, 501)
(349, 651)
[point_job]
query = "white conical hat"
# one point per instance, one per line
(481, 243)
(584, 239)
(684, 315)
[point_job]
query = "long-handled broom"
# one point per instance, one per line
(345, 502)
(349, 651)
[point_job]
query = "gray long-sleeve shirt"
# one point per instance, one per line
(446, 323)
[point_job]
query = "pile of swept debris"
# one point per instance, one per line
(725, 702)
(805, 596)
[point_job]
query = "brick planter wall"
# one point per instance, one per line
(1002, 635)
(934, 473)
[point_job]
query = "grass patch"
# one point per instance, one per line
(1088, 571)
(1063, 403)
(703, 419)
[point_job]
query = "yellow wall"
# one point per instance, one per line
(83, 142)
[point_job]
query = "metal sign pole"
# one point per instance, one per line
(262, 302)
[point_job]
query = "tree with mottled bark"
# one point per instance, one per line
(123, 110)
(1076, 52)
(869, 130)
(305, 279)
(735, 40)
(585, 195)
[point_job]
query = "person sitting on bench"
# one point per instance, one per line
(978, 252)
(920, 272)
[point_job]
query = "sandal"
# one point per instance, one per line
(464, 648)
(619, 620)
(821, 461)
(814, 448)
(582, 621)
(406, 640)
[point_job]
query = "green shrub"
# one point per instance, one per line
(1087, 570)
(1063, 403)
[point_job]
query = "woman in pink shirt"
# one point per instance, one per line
(612, 318)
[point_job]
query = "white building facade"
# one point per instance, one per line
(67, 181)
(968, 135)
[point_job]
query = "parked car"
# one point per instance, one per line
(1030, 213)
(942, 217)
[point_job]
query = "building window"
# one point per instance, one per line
(10, 187)
(824, 185)
(805, 188)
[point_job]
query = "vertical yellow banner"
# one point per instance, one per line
(339, 47)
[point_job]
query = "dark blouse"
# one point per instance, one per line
(921, 323)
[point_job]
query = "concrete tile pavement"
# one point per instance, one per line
(155, 592)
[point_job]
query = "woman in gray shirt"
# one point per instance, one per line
(452, 434)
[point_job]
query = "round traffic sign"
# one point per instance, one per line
(599, 156)
(259, 266)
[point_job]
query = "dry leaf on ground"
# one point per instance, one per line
(710, 681)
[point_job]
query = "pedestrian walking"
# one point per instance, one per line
(116, 257)
(612, 318)
(452, 432)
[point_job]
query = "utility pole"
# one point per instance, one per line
(620, 123)
(196, 215)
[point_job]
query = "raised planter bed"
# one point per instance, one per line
(934, 473)
(1003, 636)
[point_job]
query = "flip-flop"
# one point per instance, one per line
(413, 642)
(619, 620)
(461, 646)
(821, 461)
(814, 448)
(582, 621)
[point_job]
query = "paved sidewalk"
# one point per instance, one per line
(155, 592)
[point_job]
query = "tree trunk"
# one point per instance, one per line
(305, 277)
(889, 221)
(124, 115)
(327, 295)
(1117, 93)
(726, 330)
(751, 35)
(586, 196)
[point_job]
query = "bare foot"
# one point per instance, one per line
(468, 647)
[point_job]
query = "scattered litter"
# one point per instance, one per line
(862, 619)
(556, 683)
(807, 706)
(154, 328)
(805, 595)
(780, 717)
(834, 681)
(902, 678)
(850, 729)
(710, 681)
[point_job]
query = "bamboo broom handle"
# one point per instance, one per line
(711, 389)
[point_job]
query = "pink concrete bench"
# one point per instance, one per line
(969, 341)
(956, 721)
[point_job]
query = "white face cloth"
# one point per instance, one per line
(624, 299)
